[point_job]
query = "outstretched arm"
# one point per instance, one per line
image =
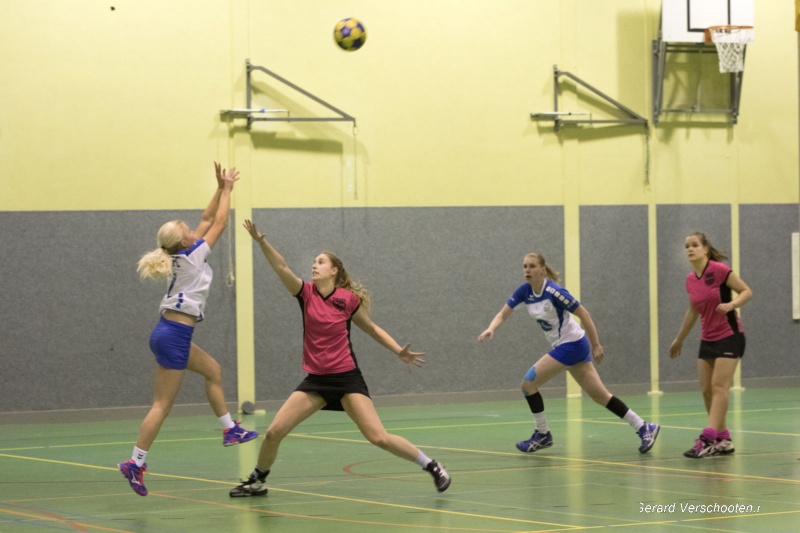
(363, 321)
(292, 283)
(499, 318)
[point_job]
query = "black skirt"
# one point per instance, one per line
(332, 387)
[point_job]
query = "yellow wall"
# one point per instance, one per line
(119, 109)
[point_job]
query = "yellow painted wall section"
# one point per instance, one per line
(106, 110)
(120, 109)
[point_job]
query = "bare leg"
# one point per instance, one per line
(298, 407)
(168, 383)
(721, 379)
(362, 411)
(587, 377)
(200, 362)
(546, 368)
(705, 371)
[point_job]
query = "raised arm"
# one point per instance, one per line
(292, 283)
(499, 318)
(689, 320)
(363, 321)
(207, 219)
(591, 331)
(212, 234)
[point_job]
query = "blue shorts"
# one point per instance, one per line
(171, 342)
(572, 353)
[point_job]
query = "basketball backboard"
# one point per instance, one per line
(685, 21)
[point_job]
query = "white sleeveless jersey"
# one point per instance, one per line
(190, 282)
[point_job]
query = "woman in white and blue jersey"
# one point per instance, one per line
(552, 307)
(180, 259)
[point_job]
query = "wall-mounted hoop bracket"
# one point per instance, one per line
(631, 117)
(252, 114)
(660, 49)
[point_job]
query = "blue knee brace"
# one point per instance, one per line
(531, 375)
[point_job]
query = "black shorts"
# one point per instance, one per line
(730, 347)
(332, 387)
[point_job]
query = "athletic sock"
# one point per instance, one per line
(709, 434)
(536, 405)
(260, 474)
(725, 434)
(618, 407)
(423, 460)
(541, 422)
(139, 456)
(633, 419)
(226, 421)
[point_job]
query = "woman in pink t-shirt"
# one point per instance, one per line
(710, 286)
(329, 304)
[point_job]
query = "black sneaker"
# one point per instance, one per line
(252, 487)
(440, 476)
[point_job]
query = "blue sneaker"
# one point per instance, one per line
(536, 442)
(135, 475)
(648, 433)
(237, 435)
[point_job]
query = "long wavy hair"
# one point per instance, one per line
(713, 253)
(157, 264)
(343, 280)
(551, 274)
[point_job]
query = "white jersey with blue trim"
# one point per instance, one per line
(190, 282)
(551, 309)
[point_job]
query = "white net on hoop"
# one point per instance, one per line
(730, 42)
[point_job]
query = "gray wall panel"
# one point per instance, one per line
(614, 288)
(76, 320)
(675, 222)
(437, 277)
(772, 336)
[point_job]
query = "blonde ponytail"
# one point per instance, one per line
(157, 264)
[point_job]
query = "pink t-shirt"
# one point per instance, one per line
(326, 330)
(706, 293)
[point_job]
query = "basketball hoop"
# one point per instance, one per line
(730, 42)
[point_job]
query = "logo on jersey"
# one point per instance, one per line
(339, 303)
(545, 325)
(560, 297)
(708, 277)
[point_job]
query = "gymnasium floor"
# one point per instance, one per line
(63, 476)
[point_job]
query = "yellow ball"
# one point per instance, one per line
(349, 34)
